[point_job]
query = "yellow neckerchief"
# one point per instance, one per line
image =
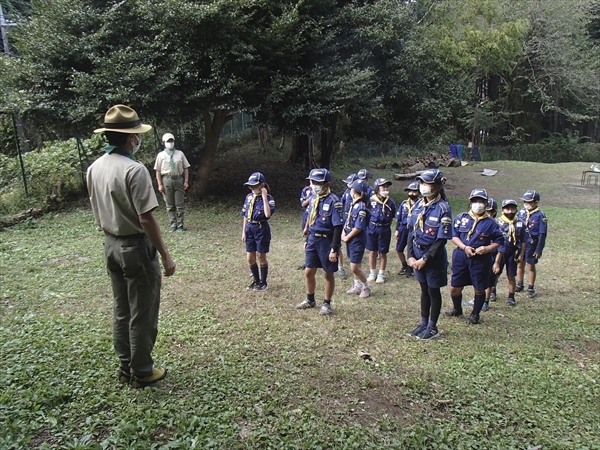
(354, 201)
(512, 232)
(315, 207)
(383, 203)
(529, 213)
(254, 197)
(421, 218)
(477, 219)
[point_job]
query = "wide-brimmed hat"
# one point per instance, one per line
(123, 119)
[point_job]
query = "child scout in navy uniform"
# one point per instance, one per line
(402, 228)
(537, 227)
(354, 236)
(513, 249)
(379, 234)
(476, 235)
(346, 199)
(323, 232)
(258, 207)
(430, 230)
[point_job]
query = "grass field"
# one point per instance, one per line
(249, 371)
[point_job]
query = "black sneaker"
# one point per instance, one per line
(511, 301)
(403, 270)
(493, 296)
(252, 286)
(454, 313)
(428, 334)
(417, 330)
(531, 293)
(473, 318)
(519, 288)
(261, 287)
(410, 272)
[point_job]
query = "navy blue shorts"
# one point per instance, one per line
(530, 250)
(304, 219)
(317, 254)
(435, 272)
(356, 250)
(508, 260)
(470, 271)
(378, 239)
(258, 237)
(402, 239)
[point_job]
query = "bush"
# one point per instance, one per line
(56, 161)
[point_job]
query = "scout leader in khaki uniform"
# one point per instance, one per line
(172, 177)
(122, 199)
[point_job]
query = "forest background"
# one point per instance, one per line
(335, 78)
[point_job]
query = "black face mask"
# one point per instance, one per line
(413, 197)
(510, 216)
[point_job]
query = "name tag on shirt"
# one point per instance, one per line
(434, 219)
(326, 207)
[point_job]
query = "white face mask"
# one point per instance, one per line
(317, 188)
(478, 208)
(384, 194)
(169, 145)
(529, 206)
(256, 190)
(425, 189)
(137, 146)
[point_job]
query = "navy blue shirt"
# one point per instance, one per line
(431, 222)
(382, 214)
(520, 235)
(329, 213)
(486, 231)
(258, 210)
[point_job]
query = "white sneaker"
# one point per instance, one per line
(380, 279)
(342, 274)
(354, 290)
(371, 277)
(365, 292)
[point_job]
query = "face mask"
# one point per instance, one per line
(478, 208)
(413, 197)
(529, 206)
(256, 191)
(137, 146)
(384, 194)
(509, 216)
(169, 145)
(317, 188)
(425, 189)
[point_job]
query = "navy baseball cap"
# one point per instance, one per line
(478, 193)
(509, 202)
(363, 174)
(531, 196)
(360, 186)
(492, 205)
(381, 182)
(350, 178)
(414, 186)
(319, 175)
(431, 176)
(255, 178)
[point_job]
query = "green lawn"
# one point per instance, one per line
(249, 371)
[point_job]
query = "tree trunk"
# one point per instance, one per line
(328, 142)
(213, 126)
(300, 151)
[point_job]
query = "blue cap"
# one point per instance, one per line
(479, 193)
(492, 205)
(509, 202)
(381, 182)
(431, 176)
(360, 186)
(350, 178)
(319, 175)
(414, 186)
(363, 174)
(531, 196)
(255, 178)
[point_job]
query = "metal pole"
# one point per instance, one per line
(19, 153)
(79, 151)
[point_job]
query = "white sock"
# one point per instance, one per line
(357, 282)
(372, 271)
(382, 273)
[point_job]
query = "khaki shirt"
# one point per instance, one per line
(163, 163)
(120, 190)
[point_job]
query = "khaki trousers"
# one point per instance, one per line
(173, 196)
(135, 275)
